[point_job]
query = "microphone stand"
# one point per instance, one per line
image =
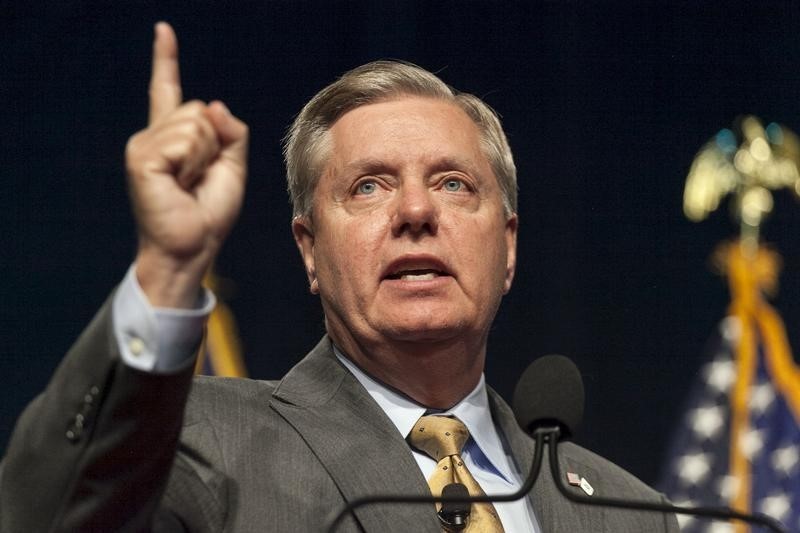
(726, 513)
(539, 437)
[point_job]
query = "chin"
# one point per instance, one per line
(424, 330)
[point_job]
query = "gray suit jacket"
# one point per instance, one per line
(108, 448)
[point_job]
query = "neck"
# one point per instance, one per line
(434, 374)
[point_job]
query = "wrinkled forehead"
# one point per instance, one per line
(422, 129)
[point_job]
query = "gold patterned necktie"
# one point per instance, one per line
(442, 438)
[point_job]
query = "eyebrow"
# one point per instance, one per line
(456, 163)
(373, 165)
(368, 165)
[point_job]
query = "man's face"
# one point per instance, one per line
(408, 239)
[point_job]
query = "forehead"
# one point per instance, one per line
(405, 127)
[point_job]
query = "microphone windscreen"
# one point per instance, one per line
(455, 490)
(549, 392)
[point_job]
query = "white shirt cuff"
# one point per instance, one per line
(155, 339)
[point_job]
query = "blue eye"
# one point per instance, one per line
(367, 187)
(453, 185)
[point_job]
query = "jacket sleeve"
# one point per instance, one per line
(94, 451)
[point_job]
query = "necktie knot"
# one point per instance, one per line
(439, 436)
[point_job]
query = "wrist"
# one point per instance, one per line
(168, 282)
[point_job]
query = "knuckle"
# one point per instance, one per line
(132, 140)
(196, 106)
(202, 134)
(194, 129)
(132, 147)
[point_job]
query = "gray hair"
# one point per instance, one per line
(307, 141)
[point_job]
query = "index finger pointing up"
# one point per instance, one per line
(165, 81)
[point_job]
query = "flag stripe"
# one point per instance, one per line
(740, 416)
(779, 358)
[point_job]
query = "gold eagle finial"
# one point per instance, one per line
(749, 161)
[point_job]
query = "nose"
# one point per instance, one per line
(416, 211)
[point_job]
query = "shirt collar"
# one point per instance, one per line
(473, 411)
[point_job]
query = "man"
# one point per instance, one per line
(405, 196)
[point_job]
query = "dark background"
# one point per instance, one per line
(605, 105)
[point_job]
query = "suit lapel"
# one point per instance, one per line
(353, 437)
(553, 511)
(522, 446)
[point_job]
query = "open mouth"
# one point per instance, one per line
(416, 267)
(424, 274)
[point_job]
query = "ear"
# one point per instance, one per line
(511, 250)
(303, 231)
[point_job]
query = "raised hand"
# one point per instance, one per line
(187, 174)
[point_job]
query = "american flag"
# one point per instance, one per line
(738, 444)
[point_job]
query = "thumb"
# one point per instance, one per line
(233, 133)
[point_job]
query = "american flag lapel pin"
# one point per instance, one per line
(579, 481)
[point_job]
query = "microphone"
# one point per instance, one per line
(548, 405)
(549, 394)
(455, 509)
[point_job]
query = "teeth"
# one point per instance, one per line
(418, 277)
